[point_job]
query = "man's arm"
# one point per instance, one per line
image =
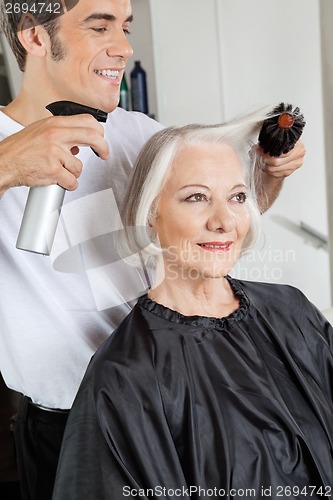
(271, 172)
(43, 153)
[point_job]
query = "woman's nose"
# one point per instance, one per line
(221, 219)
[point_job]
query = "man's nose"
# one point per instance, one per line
(119, 46)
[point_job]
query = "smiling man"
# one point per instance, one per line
(79, 56)
(56, 311)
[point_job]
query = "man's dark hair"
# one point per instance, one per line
(11, 15)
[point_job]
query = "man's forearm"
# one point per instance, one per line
(270, 173)
(268, 189)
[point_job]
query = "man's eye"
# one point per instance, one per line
(99, 30)
(239, 197)
(196, 197)
(127, 31)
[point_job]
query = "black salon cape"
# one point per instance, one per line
(189, 407)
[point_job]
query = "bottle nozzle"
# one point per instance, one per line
(69, 108)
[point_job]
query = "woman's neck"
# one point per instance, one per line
(212, 297)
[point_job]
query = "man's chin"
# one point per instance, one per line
(105, 105)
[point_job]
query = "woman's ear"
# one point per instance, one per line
(153, 214)
(32, 36)
(151, 222)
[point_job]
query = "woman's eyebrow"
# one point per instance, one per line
(236, 186)
(194, 186)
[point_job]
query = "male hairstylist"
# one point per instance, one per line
(55, 311)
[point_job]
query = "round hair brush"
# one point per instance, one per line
(281, 130)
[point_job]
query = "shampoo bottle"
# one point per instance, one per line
(139, 89)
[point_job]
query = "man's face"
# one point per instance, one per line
(93, 47)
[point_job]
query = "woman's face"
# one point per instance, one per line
(201, 214)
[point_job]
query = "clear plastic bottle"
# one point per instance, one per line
(139, 89)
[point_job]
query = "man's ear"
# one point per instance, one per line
(32, 36)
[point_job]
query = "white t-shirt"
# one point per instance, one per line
(55, 311)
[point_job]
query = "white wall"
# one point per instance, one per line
(186, 48)
(326, 11)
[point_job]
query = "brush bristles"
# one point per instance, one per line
(278, 138)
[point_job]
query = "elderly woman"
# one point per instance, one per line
(211, 386)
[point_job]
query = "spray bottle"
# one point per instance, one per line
(43, 206)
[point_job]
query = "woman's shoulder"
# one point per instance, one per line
(270, 291)
(288, 308)
(133, 328)
(125, 359)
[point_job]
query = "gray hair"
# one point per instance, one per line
(10, 20)
(153, 167)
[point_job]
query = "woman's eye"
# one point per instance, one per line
(239, 197)
(196, 197)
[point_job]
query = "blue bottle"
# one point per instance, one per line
(139, 89)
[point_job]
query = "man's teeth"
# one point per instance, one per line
(110, 73)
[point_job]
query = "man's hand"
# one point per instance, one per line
(44, 152)
(272, 172)
(286, 164)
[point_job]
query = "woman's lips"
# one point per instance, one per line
(216, 246)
